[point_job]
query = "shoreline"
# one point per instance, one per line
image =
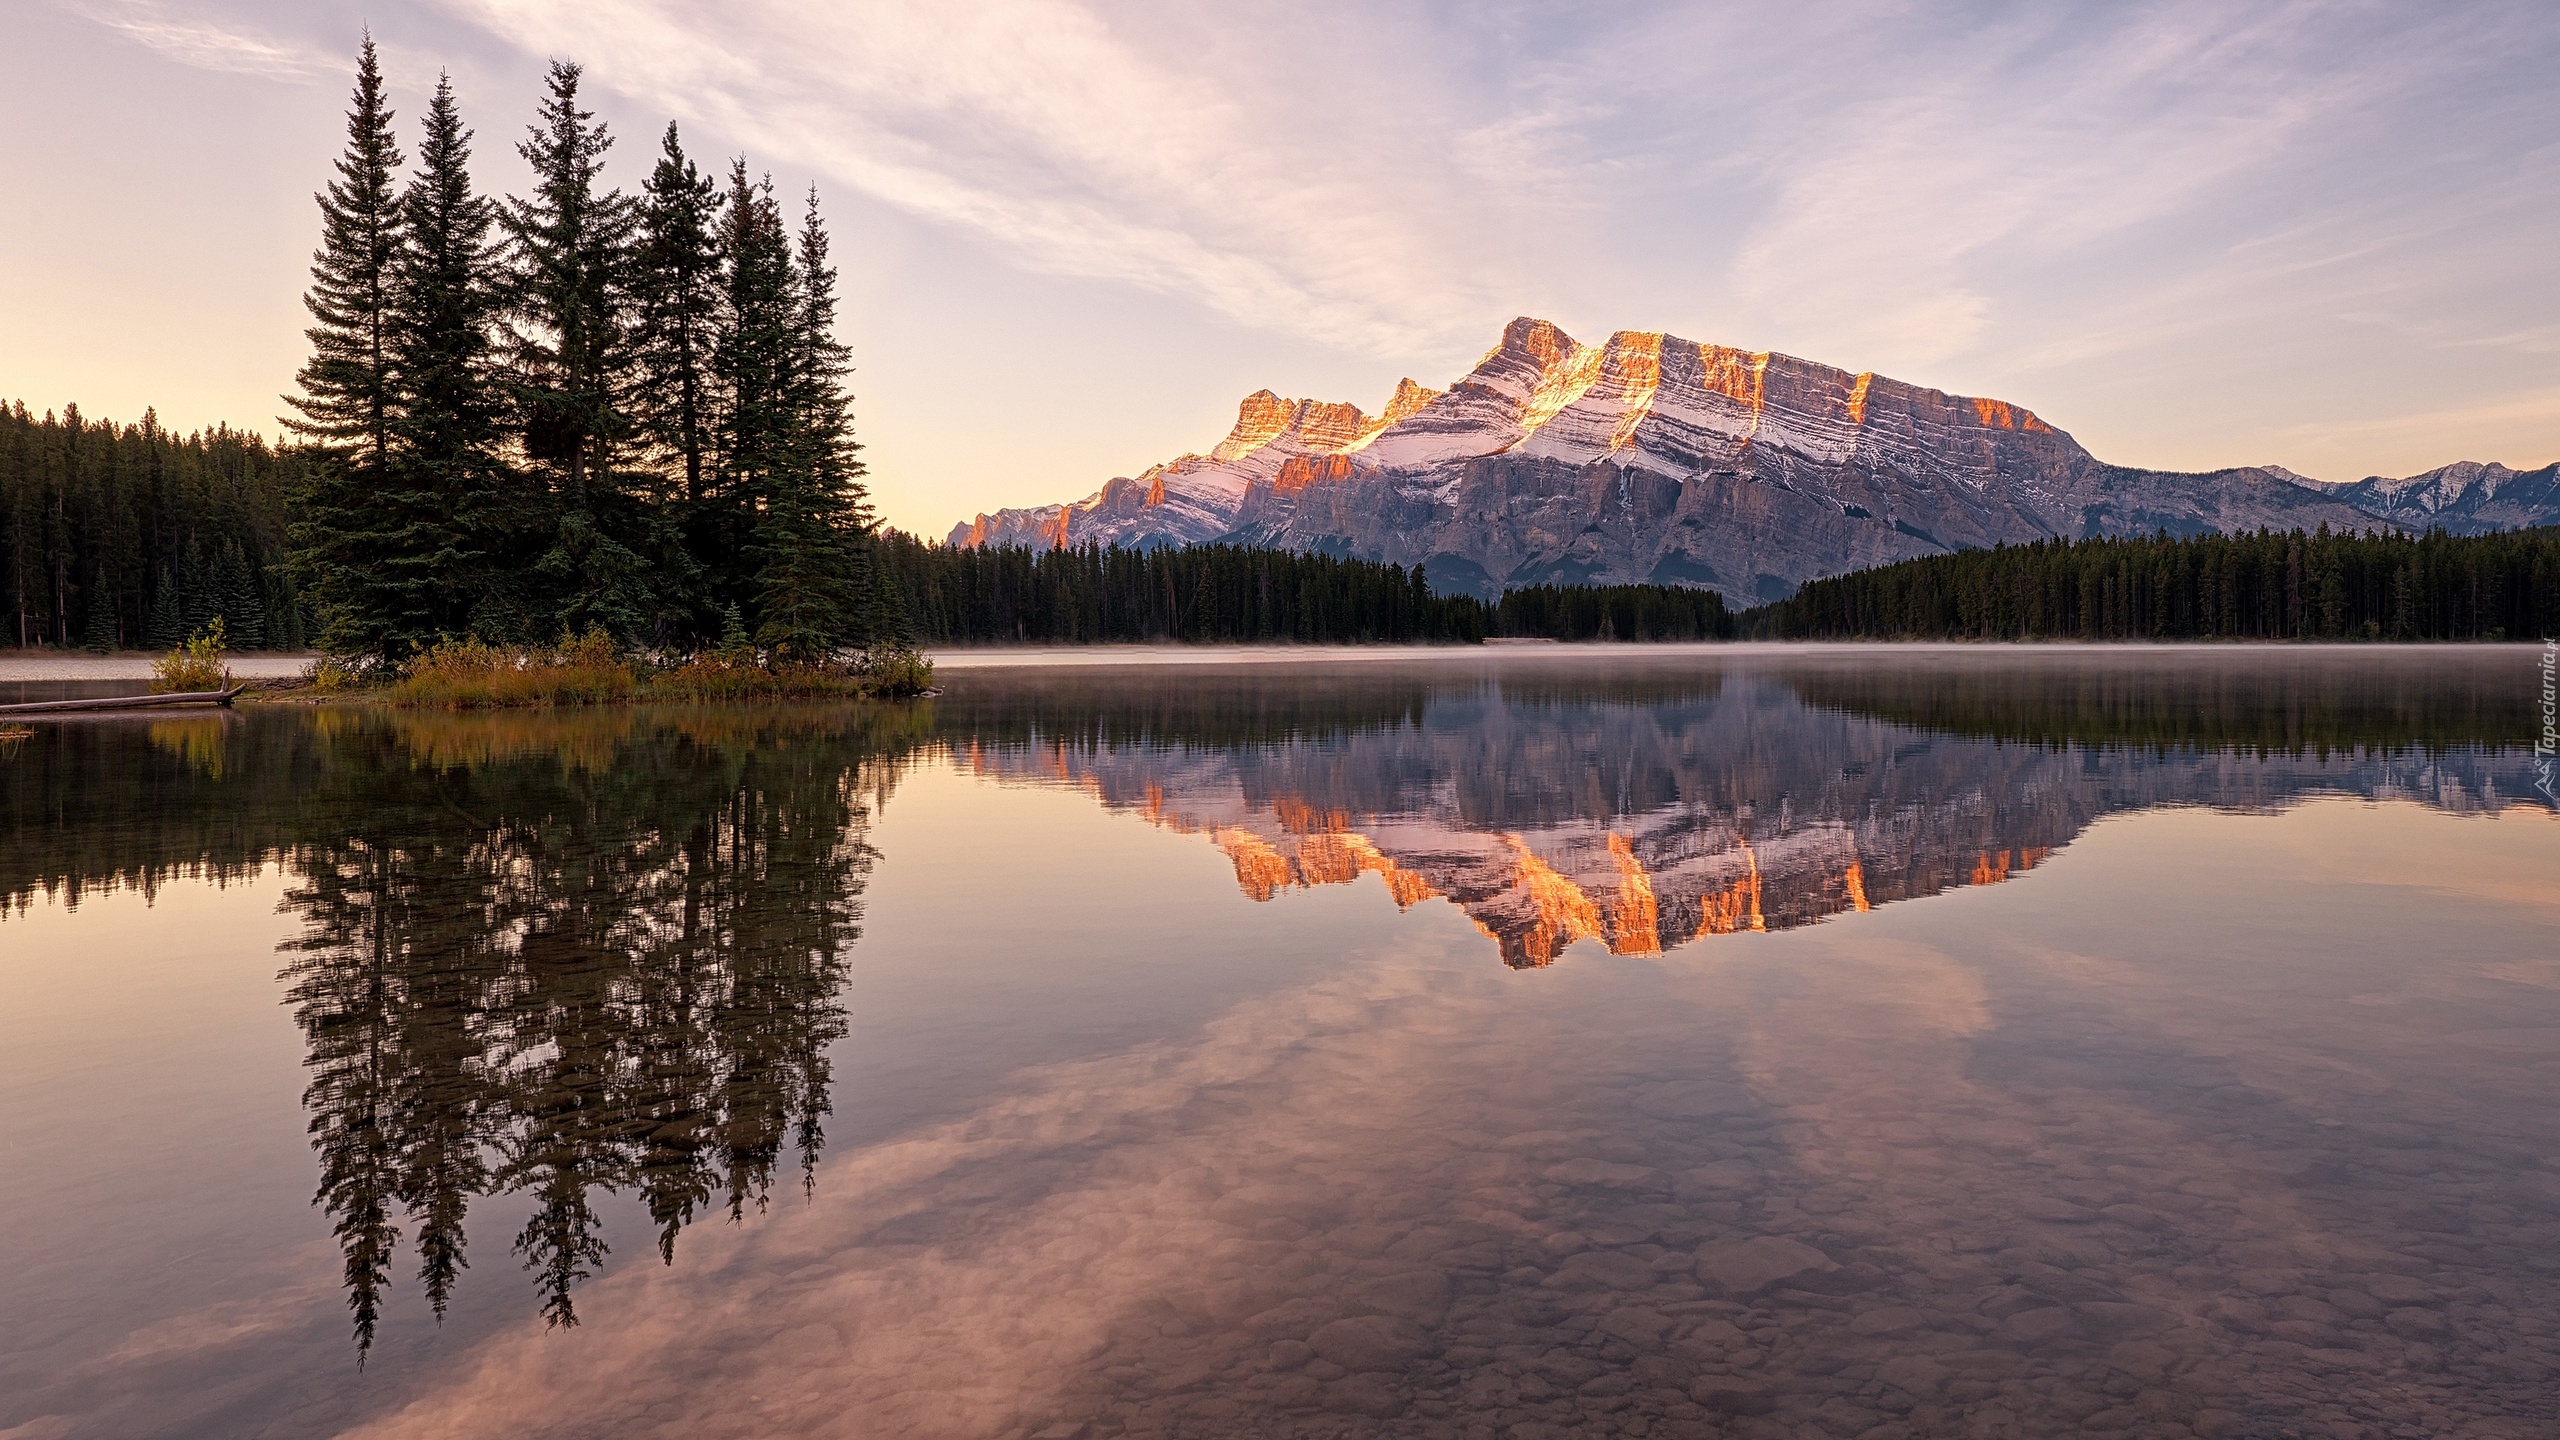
(20, 667)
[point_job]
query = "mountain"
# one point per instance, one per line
(1652, 458)
(2467, 498)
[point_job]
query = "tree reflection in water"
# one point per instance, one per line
(569, 954)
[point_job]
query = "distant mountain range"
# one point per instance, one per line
(1652, 458)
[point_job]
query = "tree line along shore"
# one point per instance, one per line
(580, 423)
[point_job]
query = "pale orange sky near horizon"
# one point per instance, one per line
(1073, 235)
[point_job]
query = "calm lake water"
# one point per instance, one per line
(1857, 1043)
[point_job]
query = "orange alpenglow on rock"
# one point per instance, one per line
(1533, 908)
(1737, 907)
(1300, 471)
(1635, 921)
(1260, 870)
(1564, 913)
(1992, 868)
(1649, 456)
(2000, 415)
(1300, 818)
(1260, 419)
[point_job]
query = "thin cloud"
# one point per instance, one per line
(208, 46)
(1059, 139)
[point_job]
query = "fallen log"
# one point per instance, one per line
(125, 702)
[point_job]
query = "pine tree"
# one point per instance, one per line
(676, 301)
(758, 334)
(347, 401)
(98, 633)
(573, 366)
(751, 365)
(462, 496)
(199, 598)
(167, 626)
(244, 615)
(811, 583)
(396, 559)
(675, 305)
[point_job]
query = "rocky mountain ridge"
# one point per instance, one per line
(1652, 458)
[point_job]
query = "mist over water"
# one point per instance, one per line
(1867, 1042)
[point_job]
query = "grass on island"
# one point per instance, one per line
(591, 669)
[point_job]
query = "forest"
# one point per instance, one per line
(1245, 594)
(2266, 585)
(119, 536)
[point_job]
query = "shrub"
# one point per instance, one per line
(193, 667)
(472, 674)
(894, 669)
(726, 675)
(331, 675)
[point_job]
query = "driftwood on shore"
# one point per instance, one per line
(125, 702)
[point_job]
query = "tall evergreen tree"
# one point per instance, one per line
(675, 310)
(810, 575)
(756, 344)
(568, 244)
(395, 554)
(347, 401)
(451, 436)
(99, 632)
(244, 613)
(676, 304)
(167, 626)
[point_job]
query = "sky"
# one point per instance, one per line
(2193, 233)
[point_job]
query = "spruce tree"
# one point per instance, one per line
(566, 293)
(810, 583)
(199, 599)
(397, 558)
(166, 625)
(758, 335)
(455, 480)
(99, 631)
(244, 615)
(347, 400)
(676, 305)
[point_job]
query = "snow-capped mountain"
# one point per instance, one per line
(2467, 497)
(1650, 457)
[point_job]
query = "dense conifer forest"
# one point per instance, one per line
(1237, 593)
(116, 536)
(2269, 585)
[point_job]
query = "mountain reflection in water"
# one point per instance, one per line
(540, 960)
(1651, 809)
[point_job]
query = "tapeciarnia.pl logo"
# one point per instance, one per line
(2546, 747)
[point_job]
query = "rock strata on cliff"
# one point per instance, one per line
(1652, 458)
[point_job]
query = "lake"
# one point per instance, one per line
(1841, 1042)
